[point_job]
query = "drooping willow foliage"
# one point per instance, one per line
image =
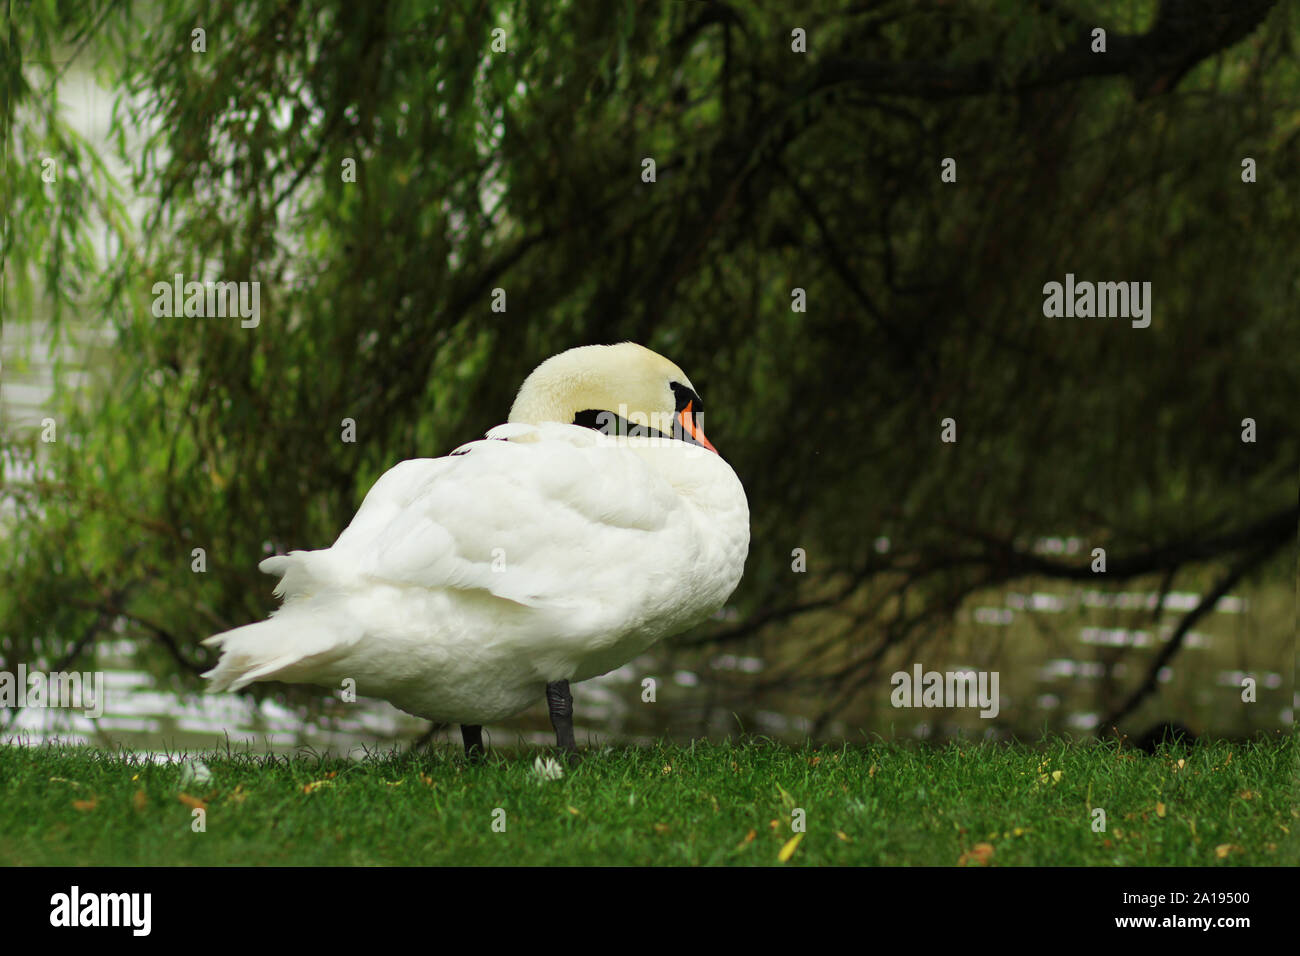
(381, 168)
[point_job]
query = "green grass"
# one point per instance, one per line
(711, 803)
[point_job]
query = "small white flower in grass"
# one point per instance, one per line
(547, 768)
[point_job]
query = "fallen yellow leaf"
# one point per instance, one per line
(84, 805)
(1223, 849)
(194, 803)
(1160, 809)
(791, 845)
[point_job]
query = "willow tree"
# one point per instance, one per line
(841, 221)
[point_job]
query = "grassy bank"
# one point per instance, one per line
(713, 803)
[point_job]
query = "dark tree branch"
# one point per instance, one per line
(1185, 32)
(1175, 642)
(1271, 531)
(840, 264)
(1002, 564)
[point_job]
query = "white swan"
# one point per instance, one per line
(597, 521)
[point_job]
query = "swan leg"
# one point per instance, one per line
(472, 735)
(560, 703)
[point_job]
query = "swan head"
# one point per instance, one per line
(618, 389)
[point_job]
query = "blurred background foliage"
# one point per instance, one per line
(776, 170)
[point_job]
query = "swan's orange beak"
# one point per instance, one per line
(695, 431)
